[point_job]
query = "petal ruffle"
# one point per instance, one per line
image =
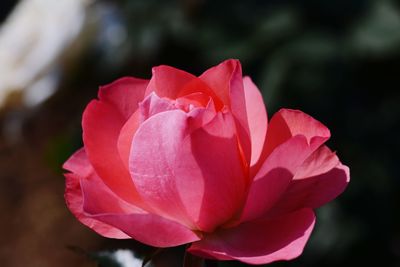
(292, 137)
(186, 187)
(102, 122)
(287, 123)
(319, 180)
(261, 241)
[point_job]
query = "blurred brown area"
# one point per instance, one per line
(37, 227)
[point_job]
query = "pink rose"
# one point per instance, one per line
(183, 159)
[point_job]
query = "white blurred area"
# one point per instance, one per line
(32, 41)
(124, 258)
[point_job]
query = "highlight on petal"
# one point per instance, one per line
(287, 123)
(320, 179)
(256, 117)
(152, 155)
(261, 241)
(100, 209)
(179, 178)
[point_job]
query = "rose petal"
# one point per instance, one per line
(192, 100)
(219, 78)
(153, 151)
(102, 122)
(319, 162)
(80, 167)
(211, 170)
(257, 118)
(226, 81)
(167, 81)
(150, 106)
(261, 241)
(103, 205)
(153, 105)
(124, 94)
(126, 135)
(319, 180)
(151, 229)
(173, 83)
(287, 123)
(101, 126)
(182, 180)
(98, 207)
(274, 177)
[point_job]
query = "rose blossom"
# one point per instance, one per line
(183, 159)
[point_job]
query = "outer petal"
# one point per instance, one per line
(81, 169)
(167, 81)
(222, 77)
(261, 241)
(319, 180)
(124, 94)
(151, 229)
(274, 177)
(179, 177)
(226, 81)
(291, 138)
(256, 117)
(98, 207)
(287, 123)
(102, 122)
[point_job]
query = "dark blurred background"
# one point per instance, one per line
(338, 61)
